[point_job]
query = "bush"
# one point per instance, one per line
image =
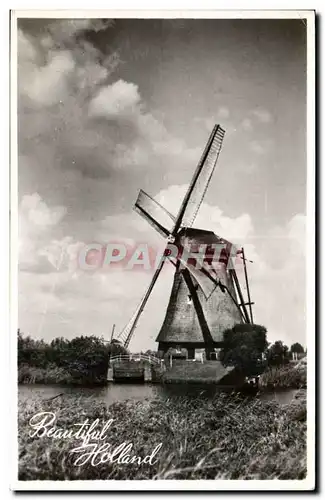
(82, 360)
(244, 348)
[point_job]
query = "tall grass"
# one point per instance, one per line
(226, 438)
(51, 375)
(284, 377)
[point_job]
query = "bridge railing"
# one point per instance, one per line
(119, 358)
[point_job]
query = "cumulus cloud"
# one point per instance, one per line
(73, 118)
(116, 99)
(36, 222)
(38, 212)
(209, 217)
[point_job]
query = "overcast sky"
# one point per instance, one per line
(109, 107)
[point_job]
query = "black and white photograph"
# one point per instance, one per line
(162, 237)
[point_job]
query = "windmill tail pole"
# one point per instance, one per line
(247, 286)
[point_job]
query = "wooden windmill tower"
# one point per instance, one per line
(206, 297)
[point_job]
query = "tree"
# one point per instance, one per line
(296, 347)
(84, 358)
(278, 354)
(244, 347)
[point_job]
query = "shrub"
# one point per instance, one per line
(82, 360)
(244, 347)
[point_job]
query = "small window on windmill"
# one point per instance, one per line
(189, 299)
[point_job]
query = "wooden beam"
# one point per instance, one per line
(112, 334)
(247, 286)
(233, 274)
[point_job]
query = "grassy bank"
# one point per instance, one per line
(289, 376)
(82, 360)
(50, 375)
(227, 438)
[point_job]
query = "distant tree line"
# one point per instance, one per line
(83, 359)
(246, 347)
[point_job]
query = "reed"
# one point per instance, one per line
(284, 377)
(230, 437)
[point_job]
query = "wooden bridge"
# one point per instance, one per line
(124, 358)
(146, 368)
(134, 367)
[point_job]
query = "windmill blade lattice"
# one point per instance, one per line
(200, 181)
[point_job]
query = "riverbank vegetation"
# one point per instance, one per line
(246, 348)
(292, 375)
(225, 438)
(82, 360)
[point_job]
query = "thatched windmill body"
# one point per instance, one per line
(206, 297)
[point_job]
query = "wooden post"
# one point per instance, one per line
(112, 334)
(247, 286)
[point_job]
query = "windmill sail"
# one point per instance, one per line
(154, 213)
(200, 180)
(127, 332)
(208, 278)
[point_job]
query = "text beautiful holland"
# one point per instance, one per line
(94, 453)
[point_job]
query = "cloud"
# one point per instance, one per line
(37, 221)
(247, 124)
(262, 115)
(223, 113)
(77, 128)
(38, 213)
(209, 217)
(277, 275)
(62, 31)
(74, 118)
(277, 279)
(257, 147)
(87, 143)
(57, 75)
(62, 254)
(48, 84)
(117, 99)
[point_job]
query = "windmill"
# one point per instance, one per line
(207, 298)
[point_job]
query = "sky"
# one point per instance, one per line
(108, 107)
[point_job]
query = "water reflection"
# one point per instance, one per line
(136, 392)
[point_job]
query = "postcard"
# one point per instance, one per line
(162, 219)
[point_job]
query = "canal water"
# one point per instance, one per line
(136, 392)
